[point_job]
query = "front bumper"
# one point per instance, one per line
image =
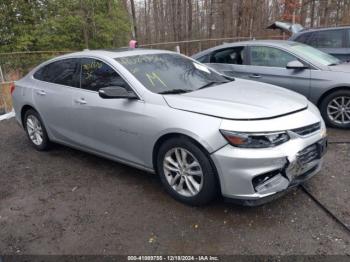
(280, 168)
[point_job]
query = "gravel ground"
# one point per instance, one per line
(68, 202)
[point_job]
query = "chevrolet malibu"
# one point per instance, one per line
(203, 133)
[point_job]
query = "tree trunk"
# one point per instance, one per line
(147, 35)
(156, 21)
(239, 18)
(85, 25)
(133, 18)
(312, 15)
(210, 18)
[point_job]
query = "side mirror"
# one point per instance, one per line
(116, 92)
(295, 64)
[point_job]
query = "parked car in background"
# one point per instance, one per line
(332, 40)
(322, 78)
(160, 111)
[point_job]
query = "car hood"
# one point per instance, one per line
(240, 100)
(344, 67)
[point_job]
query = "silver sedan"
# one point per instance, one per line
(203, 133)
(322, 78)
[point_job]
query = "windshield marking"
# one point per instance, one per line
(169, 72)
(154, 76)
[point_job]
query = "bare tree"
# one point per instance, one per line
(133, 18)
(177, 20)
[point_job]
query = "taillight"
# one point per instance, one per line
(12, 88)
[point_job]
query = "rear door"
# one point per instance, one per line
(55, 85)
(268, 64)
(230, 61)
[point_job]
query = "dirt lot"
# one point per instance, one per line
(68, 202)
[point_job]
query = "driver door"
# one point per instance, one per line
(268, 64)
(107, 126)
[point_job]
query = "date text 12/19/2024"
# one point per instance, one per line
(173, 258)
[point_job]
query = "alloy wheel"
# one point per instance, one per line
(34, 130)
(338, 110)
(183, 172)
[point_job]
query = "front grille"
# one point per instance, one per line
(306, 130)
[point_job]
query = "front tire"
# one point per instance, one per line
(335, 109)
(186, 172)
(35, 130)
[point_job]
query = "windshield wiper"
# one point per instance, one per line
(229, 78)
(333, 64)
(212, 83)
(181, 91)
(175, 91)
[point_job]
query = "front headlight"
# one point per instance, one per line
(255, 140)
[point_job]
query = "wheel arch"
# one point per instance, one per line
(330, 91)
(24, 109)
(171, 135)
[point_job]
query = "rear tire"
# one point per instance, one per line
(36, 130)
(335, 109)
(186, 172)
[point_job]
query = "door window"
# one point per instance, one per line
(63, 72)
(96, 74)
(327, 39)
(269, 56)
(233, 55)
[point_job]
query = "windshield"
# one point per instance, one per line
(314, 54)
(170, 73)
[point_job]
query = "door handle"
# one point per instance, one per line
(254, 76)
(41, 92)
(80, 101)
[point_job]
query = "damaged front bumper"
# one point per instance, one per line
(256, 176)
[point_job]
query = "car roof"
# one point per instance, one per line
(263, 42)
(314, 29)
(115, 53)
